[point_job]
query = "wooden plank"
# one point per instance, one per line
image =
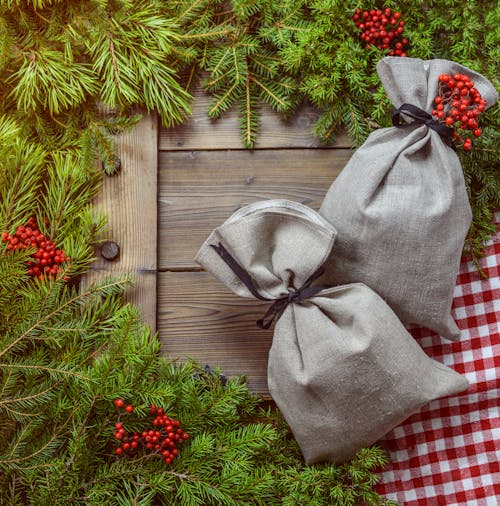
(201, 132)
(200, 189)
(129, 199)
(198, 317)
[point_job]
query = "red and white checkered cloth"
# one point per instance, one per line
(449, 453)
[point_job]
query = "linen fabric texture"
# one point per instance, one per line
(400, 205)
(342, 368)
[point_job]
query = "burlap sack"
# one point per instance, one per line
(400, 205)
(342, 368)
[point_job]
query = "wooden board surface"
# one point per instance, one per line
(203, 133)
(198, 317)
(198, 190)
(129, 199)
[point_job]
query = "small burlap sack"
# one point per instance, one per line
(400, 205)
(342, 368)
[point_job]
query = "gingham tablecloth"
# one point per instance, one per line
(449, 452)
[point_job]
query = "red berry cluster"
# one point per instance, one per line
(383, 29)
(162, 440)
(458, 104)
(47, 258)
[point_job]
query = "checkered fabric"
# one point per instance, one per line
(449, 453)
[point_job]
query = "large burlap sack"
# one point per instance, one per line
(342, 368)
(400, 205)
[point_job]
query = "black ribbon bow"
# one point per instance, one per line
(279, 305)
(423, 117)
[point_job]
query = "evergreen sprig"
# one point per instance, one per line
(482, 175)
(245, 67)
(64, 60)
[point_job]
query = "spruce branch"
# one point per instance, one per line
(54, 370)
(105, 287)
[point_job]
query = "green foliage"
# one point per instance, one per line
(65, 60)
(482, 174)
(345, 485)
(237, 453)
(245, 67)
(338, 74)
(335, 72)
(53, 186)
(58, 427)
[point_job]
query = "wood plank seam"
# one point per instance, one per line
(129, 200)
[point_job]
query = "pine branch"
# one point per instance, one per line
(246, 68)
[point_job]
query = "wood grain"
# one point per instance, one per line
(129, 199)
(198, 190)
(198, 317)
(200, 132)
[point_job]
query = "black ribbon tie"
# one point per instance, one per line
(422, 117)
(279, 305)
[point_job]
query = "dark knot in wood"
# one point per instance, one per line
(110, 250)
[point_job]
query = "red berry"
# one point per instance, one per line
(119, 451)
(119, 403)
(477, 132)
(379, 28)
(129, 408)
